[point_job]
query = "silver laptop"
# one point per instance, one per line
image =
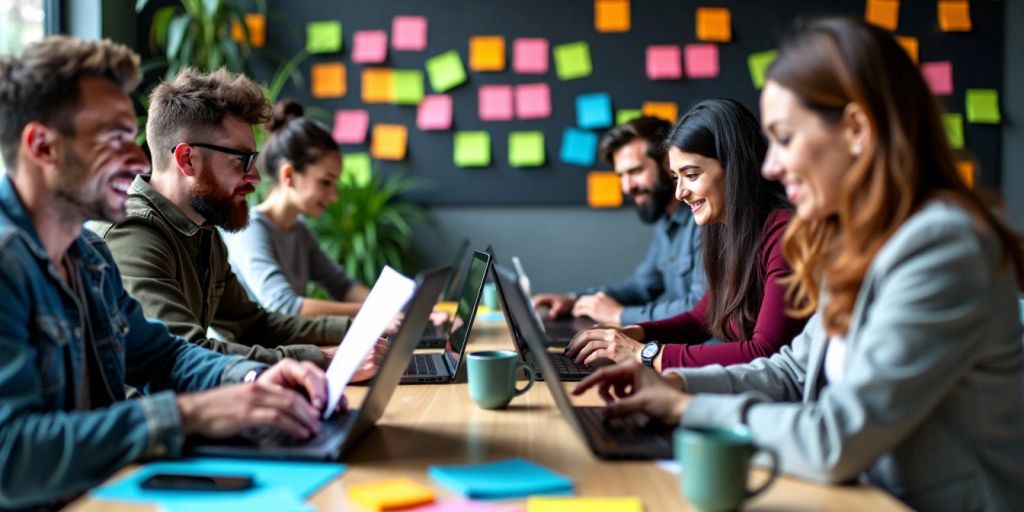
(558, 332)
(436, 336)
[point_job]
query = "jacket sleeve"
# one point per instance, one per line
(695, 285)
(642, 286)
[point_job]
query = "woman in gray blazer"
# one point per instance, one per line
(909, 373)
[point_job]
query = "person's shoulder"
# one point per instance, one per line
(939, 225)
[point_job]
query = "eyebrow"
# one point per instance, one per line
(631, 169)
(687, 167)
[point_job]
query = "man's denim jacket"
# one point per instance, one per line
(48, 450)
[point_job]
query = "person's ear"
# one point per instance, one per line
(182, 158)
(857, 130)
(39, 144)
(287, 174)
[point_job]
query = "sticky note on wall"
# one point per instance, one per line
(526, 149)
(983, 106)
(407, 86)
(409, 33)
(714, 24)
(965, 169)
(939, 76)
(487, 53)
(611, 15)
(435, 112)
(390, 141)
(594, 110)
(701, 60)
(572, 60)
(257, 25)
(494, 102)
(603, 190)
(883, 13)
(533, 101)
(356, 168)
(955, 15)
(323, 37)
(579, 147)
(664, 62)
(472, 149)
(446, 71)
(350, 126)
(327, 80)
(667, 110)
(911, 46)
(758, 64)
(954, 125)
(626, 115)
(369, 46)
(378, 85)
(530, 55)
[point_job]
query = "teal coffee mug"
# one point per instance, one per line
(492, 377)
(714, 463)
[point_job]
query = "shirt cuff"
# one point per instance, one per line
(163, 421)
(236, 370)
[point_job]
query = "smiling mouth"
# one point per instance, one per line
(121, 181)
(696, 205)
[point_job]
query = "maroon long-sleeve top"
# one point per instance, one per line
(683, 333)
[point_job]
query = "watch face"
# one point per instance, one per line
(650, 350)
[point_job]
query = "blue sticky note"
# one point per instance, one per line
(579, 147)
(503, 479)
(594, 110)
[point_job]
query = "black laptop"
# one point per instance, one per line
(339, 434)
(558, 332)
(631, 437)
(436, 336)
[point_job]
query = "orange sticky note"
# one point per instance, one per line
(389, 141)
(257, 24)
(611, 15)
(487, 53)
(390, 494)
(327, 80)
(667, 110)
(966, 170)
(603, 190)
(911, 45)
(378, 85)
(955, 15)
(884, 13)
(714, 24)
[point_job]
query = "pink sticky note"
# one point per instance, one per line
(409, 33)
(533, 101)
(370, 46)
(495, 102)
(465, 506)
(530, 55)
(939, 76)
(350, 126)
(664, 62)
(435, 112)
(701, 60)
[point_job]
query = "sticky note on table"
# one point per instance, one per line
(911, 45)
(611, 15)
(626, 115)
(983, 106)
(883, 13)
(954, 125)
(526, 149)
(487, 53)
(579, 147)
(446, 71)
(369, 46)
(572, 60)
(939, 76)
(356, 168)
(965, 169)
(667, 110)
(664, 62)
(390, 494)
(256, 23)
(758, 64)
(409, 33)
(350, 126)
(323, 37)
(714, 24)
(466, 506)
(494, 102)
(603, 190)
(594, 110)
(533, 101)
(502, 479)
(378, 85)
(530, 55)
(327, 80)
(472, 149)
(390, 141)
(407, 86)
(955, 15)
(553, 504)
(435, 112)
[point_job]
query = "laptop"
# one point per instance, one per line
(436, 336)
(340, 433)
(558, 332)
(630, 437)
(446, 366)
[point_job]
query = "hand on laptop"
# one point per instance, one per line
(558, 305)
(632, 387)
(601, 307)
(588, 346)
(438, 317)
(372, 362)
(396, 322)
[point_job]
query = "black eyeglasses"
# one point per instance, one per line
(248, 157)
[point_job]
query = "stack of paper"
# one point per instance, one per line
(504, 479)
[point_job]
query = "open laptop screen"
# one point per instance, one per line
(472, 288)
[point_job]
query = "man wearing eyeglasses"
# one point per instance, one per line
(171, 257)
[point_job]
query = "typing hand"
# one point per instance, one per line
(601, 307)
(588, 346)
(632, 388)
(371, 364)
(558, 305)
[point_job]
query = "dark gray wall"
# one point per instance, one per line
(1013, 113)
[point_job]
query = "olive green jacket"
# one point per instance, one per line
(160, 253)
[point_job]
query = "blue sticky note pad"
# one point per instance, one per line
(579, 147)
(511, 478)
(594, 110)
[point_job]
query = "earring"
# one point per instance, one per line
(857, 149)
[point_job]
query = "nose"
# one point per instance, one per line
(253, 176)
(332, 196)
(772, 167)
(681, 191)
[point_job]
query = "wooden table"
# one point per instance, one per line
(439, 424)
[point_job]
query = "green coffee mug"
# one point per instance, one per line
(492, 377)
(714, 463)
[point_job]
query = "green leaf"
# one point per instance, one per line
(161, 20)
(176, 35)
(140, 5)
(287, 70)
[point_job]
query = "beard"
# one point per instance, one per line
(73, 190)
(219, 207)
(660, 197)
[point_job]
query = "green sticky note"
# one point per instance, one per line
(323, 37)
(954, 124)
(446, 71)
(356, 169)
(983, 106)
(572, 60)
(472, 149)
(758, 64)
(526, 149)
(408, 86)
(626, 115)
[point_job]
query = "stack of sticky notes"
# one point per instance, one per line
(502, 479)
(390, 494)
(539, 504)
(465, 506)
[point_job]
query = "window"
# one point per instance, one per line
(21, 23)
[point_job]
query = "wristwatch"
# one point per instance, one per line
(252, 375)
(649, 352)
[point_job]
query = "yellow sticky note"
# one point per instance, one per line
(611, 15)
(911, 45)
(667, 110)
(884, 13)
(390, 494)
(603, 190)
(257, 24)
(966, 170)
(327, 80)
(955, 15)
(714, 24)
(389, 141)
(563, 504)
(487, 53)
(378, 85)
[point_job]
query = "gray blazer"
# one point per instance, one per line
(931, 405)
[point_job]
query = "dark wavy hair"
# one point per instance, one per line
(295, 139)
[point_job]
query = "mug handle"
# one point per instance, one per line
(531, 374)
(771, 478)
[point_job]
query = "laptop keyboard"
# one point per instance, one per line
(635, 430)
(421, 364)
(566, 365)
(269, 436)
(559, 331)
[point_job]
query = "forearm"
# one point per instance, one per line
(315, 307)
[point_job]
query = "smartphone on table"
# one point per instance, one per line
(197, 482)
